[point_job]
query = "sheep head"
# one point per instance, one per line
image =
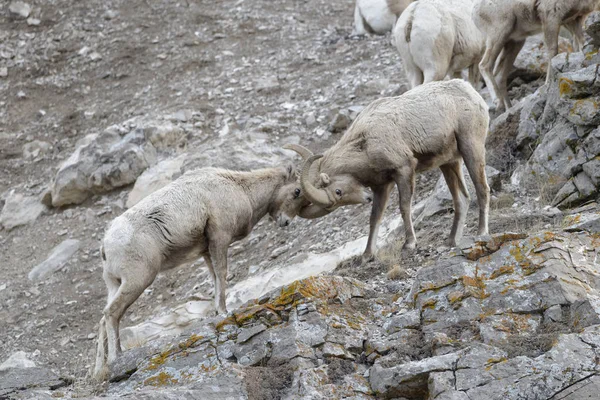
(288, 200)
(335, 191)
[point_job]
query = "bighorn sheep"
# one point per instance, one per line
(437, 38)
(377, 16)
(198, 215)
(438, 124)
(506, 24)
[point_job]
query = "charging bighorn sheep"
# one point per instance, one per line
(438, 38)
(506, 24)
(377, 16)
(439, 124)
(198, 215)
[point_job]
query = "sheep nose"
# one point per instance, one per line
(369, 199)
(287, 223)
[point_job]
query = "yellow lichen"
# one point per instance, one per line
(564, 86)
(159, 360)
(162, 379)
(503, 270)
(430, 303)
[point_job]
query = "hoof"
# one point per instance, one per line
(368, 257)
(409, 246)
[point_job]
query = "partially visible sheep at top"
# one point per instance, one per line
(377, 16)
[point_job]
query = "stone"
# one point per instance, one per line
(409, 379)
(56, 260)
(18, 382)
(164, 135)
(3, 72)
(267, 84)
(101, 163)
(532, 61)
(592, 170)
(19, 9)
(584, 185)
(20, 210)
(17, 360)
(514, 284)
(531, 111)
(410, 319)
(155, 178)
(33, 21)
(592, 28)
(247, 333)
(36, 148)
(583, 222)
(340, 122)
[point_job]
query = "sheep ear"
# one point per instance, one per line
(291, 171)
(325, 179)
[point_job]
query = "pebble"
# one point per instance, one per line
(19, 9)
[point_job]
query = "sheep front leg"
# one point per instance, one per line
(405, 180)
(381, 195)
(218, 252)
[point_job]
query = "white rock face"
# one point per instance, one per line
(57, 259)
(17, 360)
(155, 178)
(20, 210)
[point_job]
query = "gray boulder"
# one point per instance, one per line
(56, 260)
(20, 210)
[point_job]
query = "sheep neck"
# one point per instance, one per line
(261, 188)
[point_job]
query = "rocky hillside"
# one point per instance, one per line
(105, 101)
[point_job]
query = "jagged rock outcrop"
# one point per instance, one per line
(504, 317)
(555, 129)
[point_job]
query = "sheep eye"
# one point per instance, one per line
(296, 193)
(338, 192)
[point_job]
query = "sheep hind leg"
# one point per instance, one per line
(129, 292)
(493, 47)
(576, 28)
(474, 157)
(405, 180)
(100, 369)
(381, 195)
(456, 183)
(511, 51)
(218, 252)
(437, 73)
(551, 31)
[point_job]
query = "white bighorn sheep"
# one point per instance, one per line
(506, 24)
(438, 124)
(377, 16)
(438, 38)
(198, 215)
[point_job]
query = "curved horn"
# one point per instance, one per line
(316, 196)
(303, 151)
